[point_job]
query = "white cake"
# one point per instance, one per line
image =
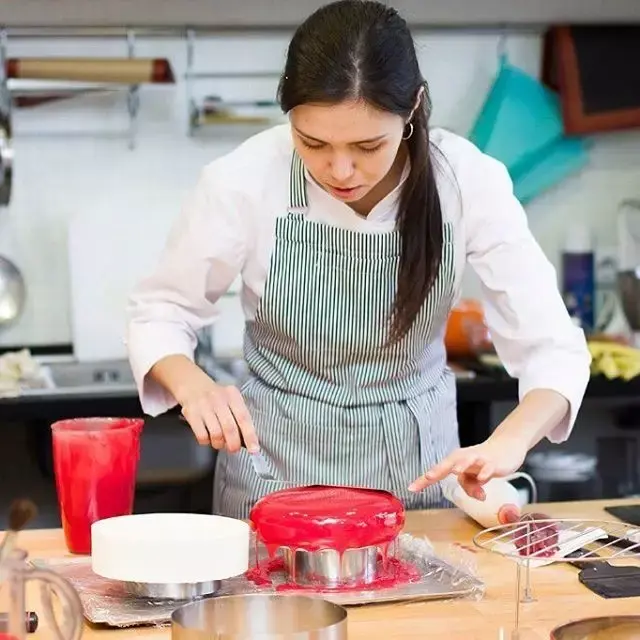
(169, 548)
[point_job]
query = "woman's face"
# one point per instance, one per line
(347, 147)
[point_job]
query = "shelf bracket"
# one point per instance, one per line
(133, 95)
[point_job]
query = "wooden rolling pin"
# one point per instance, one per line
(116, 70)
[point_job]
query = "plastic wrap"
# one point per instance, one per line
(443, 575)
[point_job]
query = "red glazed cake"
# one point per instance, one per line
(325, 517)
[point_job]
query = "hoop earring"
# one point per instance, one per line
(409, 126)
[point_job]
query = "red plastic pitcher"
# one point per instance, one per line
(95, 462)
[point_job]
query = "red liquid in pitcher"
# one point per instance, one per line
(95, 464)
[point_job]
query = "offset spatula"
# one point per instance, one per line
(259, 462)
(260, 465)
(604, 579)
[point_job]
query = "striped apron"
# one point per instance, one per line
(331, 401)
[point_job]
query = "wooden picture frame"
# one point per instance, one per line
(569, 67)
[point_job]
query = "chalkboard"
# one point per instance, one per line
(596, 72)
(608, 60)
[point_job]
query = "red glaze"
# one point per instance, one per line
(326, 517)
(536, 538)
(392, 572)
(531, 537)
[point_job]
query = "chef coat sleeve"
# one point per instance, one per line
(203, 256)
(532, 331)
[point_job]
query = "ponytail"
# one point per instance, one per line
(420, 227)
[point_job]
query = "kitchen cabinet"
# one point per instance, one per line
(288, 13)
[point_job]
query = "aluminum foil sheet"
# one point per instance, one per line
(107, 602)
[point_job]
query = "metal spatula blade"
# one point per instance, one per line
(260, 465)
(259, 462)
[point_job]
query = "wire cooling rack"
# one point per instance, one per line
(536, 540)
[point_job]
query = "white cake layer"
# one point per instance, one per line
(169, 548)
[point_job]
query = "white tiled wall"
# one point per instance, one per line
(126, 200)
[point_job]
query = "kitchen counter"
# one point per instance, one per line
(559, 595)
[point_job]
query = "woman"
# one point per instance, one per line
(351, 228)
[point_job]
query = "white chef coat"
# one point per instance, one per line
(227, 229)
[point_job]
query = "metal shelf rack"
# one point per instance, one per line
(132, 91)
(197, 115)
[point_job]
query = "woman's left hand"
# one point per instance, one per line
(496, 457)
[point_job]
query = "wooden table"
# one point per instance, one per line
(559, 595)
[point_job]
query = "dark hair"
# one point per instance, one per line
(363, 50)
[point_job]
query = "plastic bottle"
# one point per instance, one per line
(501, 498)
(578, 276)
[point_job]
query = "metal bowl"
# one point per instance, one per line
(604, 628)
(267, 617)
(171, 591)
(330, 568)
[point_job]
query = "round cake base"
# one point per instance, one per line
(171, 591)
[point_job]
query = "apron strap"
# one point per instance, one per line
(297, 186)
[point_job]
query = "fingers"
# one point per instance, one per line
(473, 477)
(205, 426)
(468, 465)
(243, 419)
(419, 484)
(198, 427)
(457, 462)
(216, 437)
(471, 486)
(435, 474)
(472, 470)
(508, 514)
(486, 472)
(220, 417)
(227, 423)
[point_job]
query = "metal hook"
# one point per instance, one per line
(502, 46)
(133, 94)
(5, 94)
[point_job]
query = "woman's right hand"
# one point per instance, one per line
(216, 414)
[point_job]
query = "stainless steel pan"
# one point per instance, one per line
(606, 628)
(260, 617)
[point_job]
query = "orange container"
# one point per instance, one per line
(467, 335)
